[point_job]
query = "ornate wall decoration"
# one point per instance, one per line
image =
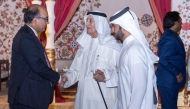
(155, 37)
(185, 26)
(183, 7)
(146, 20)
(11, 19)
(66, 45)
(1, 2)
(1, 43)
(149, 28)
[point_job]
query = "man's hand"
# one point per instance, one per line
(63, 81)
(179, 77)
(99, 76)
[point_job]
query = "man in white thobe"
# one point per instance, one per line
(188, 69)
(95, 61)
(137, 81)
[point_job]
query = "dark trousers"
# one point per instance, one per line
(169, 97)
(19, 106)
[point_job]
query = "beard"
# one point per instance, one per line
(119, 35)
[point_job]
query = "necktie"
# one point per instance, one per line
(47, 60)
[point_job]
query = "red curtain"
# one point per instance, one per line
(64, 11)
(28, 2)
(160, 8)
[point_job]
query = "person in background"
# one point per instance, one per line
(171, 72)
(95, 61)
(137, 80)
(31, 77)
(187, 85)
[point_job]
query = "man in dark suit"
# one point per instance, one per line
(171, 73)
(31, 77)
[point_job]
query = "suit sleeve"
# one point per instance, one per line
(31, 53)
(166, 52)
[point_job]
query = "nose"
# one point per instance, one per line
(47, 22)
(87, 22)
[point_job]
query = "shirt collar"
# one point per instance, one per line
(127, 40)
(33, 30)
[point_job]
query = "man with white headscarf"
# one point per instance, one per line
(95, 61)
(137, 81)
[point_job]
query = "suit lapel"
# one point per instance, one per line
(180, 41)
(176, 36)
(36, 40)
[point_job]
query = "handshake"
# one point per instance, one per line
(64, 79)
(98, 76)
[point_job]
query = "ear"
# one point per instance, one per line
(175, 22)
(34, 21)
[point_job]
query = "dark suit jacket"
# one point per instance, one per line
(172, 60)
(30, 75)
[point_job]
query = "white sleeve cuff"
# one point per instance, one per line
(60, 79)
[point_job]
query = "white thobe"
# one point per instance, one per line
(188, 71)
(85, 63)
(133, 77)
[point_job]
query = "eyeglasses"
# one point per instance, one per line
(46, 18)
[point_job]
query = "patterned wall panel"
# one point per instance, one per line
(183, 7)
(147, 21)
(11, 19)
(66, 45)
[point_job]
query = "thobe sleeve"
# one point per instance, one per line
(188, 68)
(188, 64)
(111, 73)
(73, 72)
(188, 78)
(138, 71)
(113, 82)
(108, 66)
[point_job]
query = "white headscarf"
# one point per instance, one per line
(129, 22)
(103, 29)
